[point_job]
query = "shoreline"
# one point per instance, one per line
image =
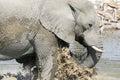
(111, 26)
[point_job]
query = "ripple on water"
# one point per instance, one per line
(110, 60)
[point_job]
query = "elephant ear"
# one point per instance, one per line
(81, 6)
(56, 16)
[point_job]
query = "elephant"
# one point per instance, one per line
(40, 27)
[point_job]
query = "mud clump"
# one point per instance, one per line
(68, 69)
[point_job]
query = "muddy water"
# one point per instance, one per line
(109, 65)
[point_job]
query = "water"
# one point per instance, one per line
(10, 66)
(109, 65)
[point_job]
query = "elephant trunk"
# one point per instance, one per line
(92, 58)
(87, 56)
(93, 42)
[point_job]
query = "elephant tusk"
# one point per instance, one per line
(97, 49)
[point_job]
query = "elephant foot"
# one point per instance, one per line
(47, 70)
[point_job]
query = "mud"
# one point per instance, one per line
(68, 69)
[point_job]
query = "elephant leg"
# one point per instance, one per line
(46, 48)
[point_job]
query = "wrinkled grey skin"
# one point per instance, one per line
(37, 26)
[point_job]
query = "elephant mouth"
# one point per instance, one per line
(81, 49)
(82, 42)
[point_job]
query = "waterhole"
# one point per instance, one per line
(109, 65)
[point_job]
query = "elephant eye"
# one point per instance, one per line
(90, 25)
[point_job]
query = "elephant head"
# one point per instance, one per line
(76, 23)
(87, 33)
